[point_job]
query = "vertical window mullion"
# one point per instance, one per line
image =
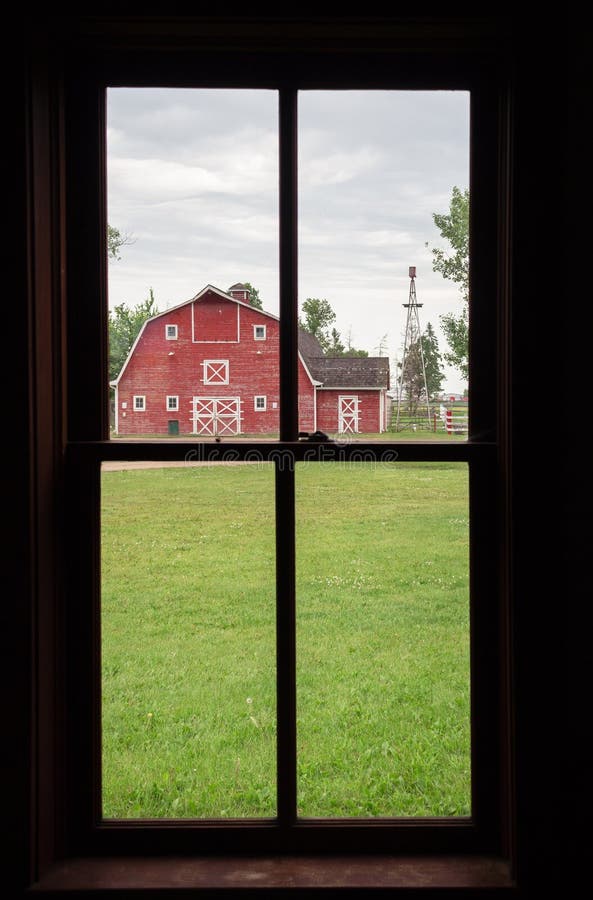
(288, 266)
(285, 492)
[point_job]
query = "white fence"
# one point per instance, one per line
(455, 423)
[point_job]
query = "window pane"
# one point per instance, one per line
(193, 194)
(383, 639)
(375, 167)
(188, 640)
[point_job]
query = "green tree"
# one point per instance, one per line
(316, 319)
(254, 298)
(411, 378)
(432, 362)
(115, 241)
(124, 325)
(454, 265)
(352, 351)
(414, 391)
(336, 347)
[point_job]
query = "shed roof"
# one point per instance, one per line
(343, 371)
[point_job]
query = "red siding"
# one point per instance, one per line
(215, 319)
(159, 368)
(207, 329)
(369, 409)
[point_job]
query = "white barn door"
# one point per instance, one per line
(216, 415)
(348, 415)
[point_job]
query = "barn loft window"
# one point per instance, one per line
(171, 332)
(216, 371)
(259, 332)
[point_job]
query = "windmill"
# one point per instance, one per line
(413, 354)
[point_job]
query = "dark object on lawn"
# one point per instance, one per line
(315, 436)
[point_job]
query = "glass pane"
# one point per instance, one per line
(385, 331)
(188, 640)
(193, 288)
(383, 639)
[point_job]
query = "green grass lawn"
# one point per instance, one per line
(188, 633)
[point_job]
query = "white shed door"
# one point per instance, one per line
(217, 415)
(348, 415)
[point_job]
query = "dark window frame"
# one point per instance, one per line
(83, 437)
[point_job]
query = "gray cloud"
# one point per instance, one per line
(193, 176)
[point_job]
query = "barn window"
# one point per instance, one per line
(216, 371)
(139, 403)
(259, 403)
(172, 403)
(171, 332)
(259, 332)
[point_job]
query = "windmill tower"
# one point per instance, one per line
(413, 368)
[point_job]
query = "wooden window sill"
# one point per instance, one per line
(364, 873)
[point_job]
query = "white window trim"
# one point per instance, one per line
(208, 362)
(255, 335)
(260, 408)
(172, 408)
(141, 397)
(171, 337)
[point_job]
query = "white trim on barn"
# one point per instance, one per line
(348, 413)
(224, 295)
(214, 416)
(215, 371)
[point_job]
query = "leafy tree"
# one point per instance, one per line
(432, 362)
(317, 318)
(336, 347)
(124, 326)
(116, 240)
(254, 298)
(413, 386)
(352, 351)
(456, 331)
(454, 265)
(318, 315)
(411, 379)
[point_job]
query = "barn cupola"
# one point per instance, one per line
(239, 292)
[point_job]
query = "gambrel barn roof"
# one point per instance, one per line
(325, 371)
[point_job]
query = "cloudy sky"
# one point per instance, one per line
(193, 179)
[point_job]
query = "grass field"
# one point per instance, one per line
(188, 641)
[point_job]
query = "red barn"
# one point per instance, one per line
(210, 367)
